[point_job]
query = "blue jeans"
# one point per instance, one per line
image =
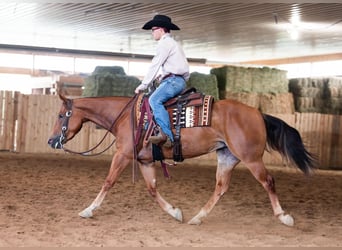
(170, 87)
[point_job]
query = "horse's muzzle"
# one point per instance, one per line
(55, 142)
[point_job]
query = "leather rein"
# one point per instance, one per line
(68, 113)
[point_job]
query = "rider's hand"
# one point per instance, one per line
(137, 91)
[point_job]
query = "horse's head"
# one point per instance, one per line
(68, 124)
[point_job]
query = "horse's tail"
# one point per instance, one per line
(288, 142)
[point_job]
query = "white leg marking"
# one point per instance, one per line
(88, 212)
(197, 219)
(286, 219)
(175, 213)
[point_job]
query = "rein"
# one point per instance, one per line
(64, 129)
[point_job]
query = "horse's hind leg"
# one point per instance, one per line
(260, 173)
(226, 163)
(118, 164)
(148, 172)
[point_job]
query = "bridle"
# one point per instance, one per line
(65, 124)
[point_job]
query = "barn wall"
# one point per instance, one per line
(27, 121)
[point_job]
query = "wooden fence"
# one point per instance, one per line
(8, 117)
(26, 122)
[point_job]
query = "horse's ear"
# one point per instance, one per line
(62, 97)
(66, 101)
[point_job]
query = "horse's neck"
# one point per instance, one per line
(102, 111)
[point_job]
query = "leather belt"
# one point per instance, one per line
(169, 75)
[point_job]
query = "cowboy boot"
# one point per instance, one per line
(168, 143)
(159, 138)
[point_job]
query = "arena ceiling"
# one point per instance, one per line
(234, 31)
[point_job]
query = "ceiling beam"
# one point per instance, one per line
(83, 53)
(292, 60)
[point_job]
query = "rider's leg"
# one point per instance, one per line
(168, 88)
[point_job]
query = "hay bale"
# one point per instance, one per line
(242, 80)
(281, 103)
(224, 76)
(205, 83)
(116, 70)
(233, 78)
(317, 82)
(296, 87)
(317, 94)
(250, 79)
(269, 80)
(334, 92)
(251, 99)
(302, 104)
(334, 87)
(103, 82)
(307, 87)
(336, 105)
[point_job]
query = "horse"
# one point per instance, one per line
(238, 133)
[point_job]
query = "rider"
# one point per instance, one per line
(174, 74)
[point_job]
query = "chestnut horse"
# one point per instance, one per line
(238, 133)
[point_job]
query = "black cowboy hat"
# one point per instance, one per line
(160, 21)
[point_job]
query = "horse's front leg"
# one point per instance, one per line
(148, 171)
(118, 164)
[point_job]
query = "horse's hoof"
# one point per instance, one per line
(86, 213)
(178, 215)
(286, 219)
(195, 221)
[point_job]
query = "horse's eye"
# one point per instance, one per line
(60, 116)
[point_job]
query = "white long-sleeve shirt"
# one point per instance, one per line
(170, 58)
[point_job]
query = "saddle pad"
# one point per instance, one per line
(193, 116)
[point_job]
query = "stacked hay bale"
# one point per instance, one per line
(112, 81)
(320, 95)
(269, 80)
(205, 83)
(263, 88)
(281, 103)
(334, 95)
(109, 81)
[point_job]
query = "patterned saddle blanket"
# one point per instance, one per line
(194, 109)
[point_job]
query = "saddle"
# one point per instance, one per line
(189, 109)
(188, 96)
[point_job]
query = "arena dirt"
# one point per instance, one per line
(41, 195)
